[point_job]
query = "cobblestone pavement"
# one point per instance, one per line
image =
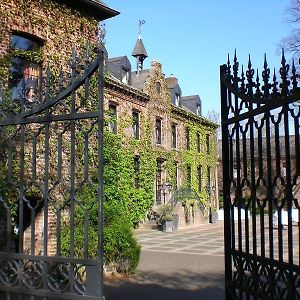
(185, 264)
(207, 239)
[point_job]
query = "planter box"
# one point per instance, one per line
(175, 222)
(214, 217)
(167, 226)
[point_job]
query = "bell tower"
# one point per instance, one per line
(139, 51)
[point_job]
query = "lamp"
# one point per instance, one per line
(166, 189)
(209, 190)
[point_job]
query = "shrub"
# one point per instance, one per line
(120, 246)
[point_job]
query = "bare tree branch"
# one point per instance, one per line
(291, 43)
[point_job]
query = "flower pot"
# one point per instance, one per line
(175, 222)
(214, 217)
(167, 226)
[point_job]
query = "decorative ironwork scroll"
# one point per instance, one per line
(261, 180)
(51, 173)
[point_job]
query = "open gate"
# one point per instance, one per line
(51, 172)
(261, 180)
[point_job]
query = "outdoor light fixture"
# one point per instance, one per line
(166, 189)
(209, 190)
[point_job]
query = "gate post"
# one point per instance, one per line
(226, 183)
(102, 54)
(93, 284)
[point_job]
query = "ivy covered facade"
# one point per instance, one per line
(171, 144)
(153, 136)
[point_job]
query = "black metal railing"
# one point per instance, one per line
(51, 174)
(261, 178)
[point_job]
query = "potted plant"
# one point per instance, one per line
(213, 218)
(166, 213)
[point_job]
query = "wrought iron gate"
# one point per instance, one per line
(51, 171)
(261, 180)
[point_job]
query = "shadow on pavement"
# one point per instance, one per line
(176, 286)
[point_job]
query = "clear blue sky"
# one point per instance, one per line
(192, 38)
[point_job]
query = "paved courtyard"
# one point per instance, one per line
(186, 264)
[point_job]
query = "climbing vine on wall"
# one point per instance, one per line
(58, 26)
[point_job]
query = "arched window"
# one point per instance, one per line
(25, 65)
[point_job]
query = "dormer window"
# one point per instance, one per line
(125, 75)
(198, 110)
(25, 67)
(177, 99)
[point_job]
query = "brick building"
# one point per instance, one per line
(36, 34)
(180, 136)
(148, 107)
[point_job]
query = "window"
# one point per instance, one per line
(125, 76)
(188, 176)
(187, 136)
(207, 143)
(235, 171)
(176, 174)
(283, 169)
(158, 87)
(208, 176)
(199, 171)
(174, 135)
(25, 73)
(136, 171)
(198, 110)
(158, 131)
(158, 180)
(112, 111)
(177, 99)
(136, 125)
(198, 142)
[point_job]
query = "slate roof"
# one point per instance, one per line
(174, 89)
(114, 84)
(191, 102)
(139, 49)
(138, 80)
(94, 8)
(172, 82)
(115, 65)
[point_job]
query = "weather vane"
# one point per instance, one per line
(141, 22)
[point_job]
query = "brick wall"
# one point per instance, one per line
(39, 235)
(158, 104)
(59, 27)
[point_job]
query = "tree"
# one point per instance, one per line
(215, 117)
(291, 43)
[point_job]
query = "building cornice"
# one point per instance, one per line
(125, 89)
(191, 116)
(94, 8)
